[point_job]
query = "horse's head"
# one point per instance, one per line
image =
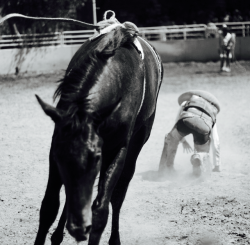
(76, 149)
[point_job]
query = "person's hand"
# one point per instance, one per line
(186, 147)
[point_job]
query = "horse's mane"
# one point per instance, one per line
(84, 67)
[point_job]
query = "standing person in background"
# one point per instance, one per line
(197, 116)
(226, 45)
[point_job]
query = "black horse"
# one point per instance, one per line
(103, 118)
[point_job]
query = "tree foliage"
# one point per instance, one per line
(168, 12)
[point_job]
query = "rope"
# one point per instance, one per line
(143, 94)
(106, 22)
(100, 25)
(236, 62)
(239, 65)
(112, 17)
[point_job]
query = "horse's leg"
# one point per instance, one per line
(57, 236)
(50, 203)
(108, 179)
(119, 193)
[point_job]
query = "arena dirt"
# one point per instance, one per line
(178, 209)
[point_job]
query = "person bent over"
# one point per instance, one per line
(197, 116)
(226, 43)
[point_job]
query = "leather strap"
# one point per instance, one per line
(193, 112)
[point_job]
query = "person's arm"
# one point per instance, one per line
(215, 142)
(230, 42)
(186, 146)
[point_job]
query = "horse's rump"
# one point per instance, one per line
(153, 78)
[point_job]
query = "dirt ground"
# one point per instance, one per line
(179, 210)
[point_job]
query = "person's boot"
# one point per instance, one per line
(228, 65)
(216, 169)
(197, 164)
(200, 160)
(223, 64)
(169, 151)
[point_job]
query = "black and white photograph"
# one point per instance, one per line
(124, 122)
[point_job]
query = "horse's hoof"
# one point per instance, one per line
(114, 240)
(55, 240)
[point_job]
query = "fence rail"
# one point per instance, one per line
(163, 33)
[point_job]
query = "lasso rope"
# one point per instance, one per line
(111, 17)
(107, 22)
(100, 25)
(77, 22)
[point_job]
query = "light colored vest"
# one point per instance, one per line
(202, 105)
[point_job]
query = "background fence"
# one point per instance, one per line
(162, 33)
(47, 39)
(45, 53)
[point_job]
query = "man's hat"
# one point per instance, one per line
(201, 93)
